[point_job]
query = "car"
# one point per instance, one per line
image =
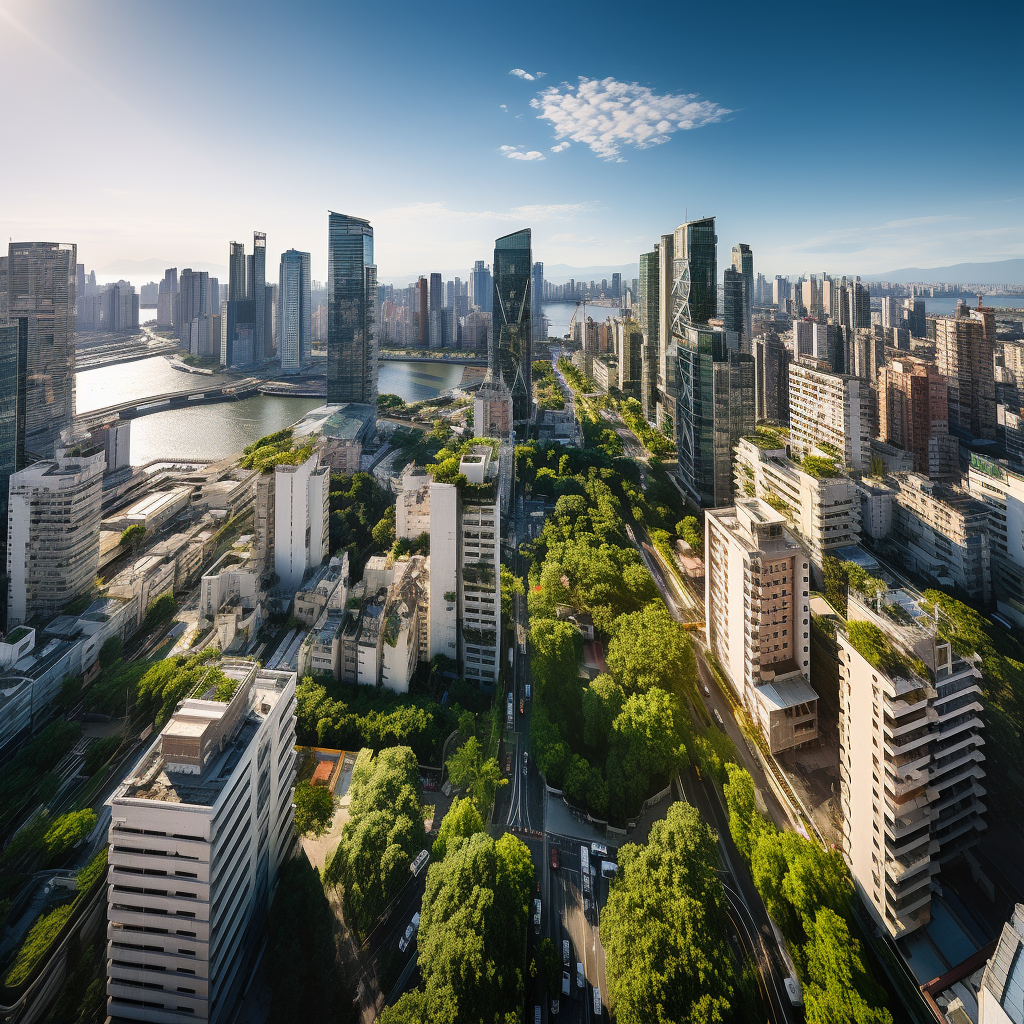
(581, 982)
(522, 706)
(696, 771)
(526, 761)
(536, 917)
(566, 983)
(508, 764)
(707, 692)
(410, 931)
(718, 718)
(529, 689)
(565, 952)
(536, 1015)
(554, 1006)
(554, 857)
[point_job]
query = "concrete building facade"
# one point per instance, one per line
(301, 520)
(830, 412)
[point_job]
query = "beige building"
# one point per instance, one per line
(492, 409)
(910, 756)
(757, 619)
(824, 511)
(412, 507)
(830, 414)
(964, 351)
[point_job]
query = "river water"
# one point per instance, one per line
(560, 313)
(217, 431)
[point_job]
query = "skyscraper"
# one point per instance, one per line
(667, 381)
(537, 295)
(12, 383)
(734, 314)
(695, 274)
(617, 287)
(512, 327)
(194, 293)
(41, 281)
(647, 317)
(259, 282)
(963, 351)
(422, 312)
(165, 300)
(434, 321)
(294, 299)
(483, 289)
(743, 261)
(236, 272)
(351, 303)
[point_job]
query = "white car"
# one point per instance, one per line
(526, 761)
(410, 931)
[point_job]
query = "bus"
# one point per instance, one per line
(598, 1008)
(508, 711)
(584, 862)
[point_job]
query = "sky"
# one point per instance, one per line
(829, 138)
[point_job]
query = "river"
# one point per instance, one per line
(217, 431)
(560, 313)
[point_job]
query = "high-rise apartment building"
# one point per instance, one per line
(255, 293)
(757, 619)
(913, 414)
(294, 341)
(238, 332)
(830, 412)
(910, 735)
(856, 309)
(483, 286)
(198, 835)
(1002, 490)
(41, 282)
(53, 531)
(165, 300)
(237, 272)
(647, 317)
(964, 353)
(537, 296)
(771, 379)
(667, 384)
(734, 312)
(193, 306)
(435, 315)
(716, 406)
(512, 345)
(301, 520)
(351, 305)
(914, 314)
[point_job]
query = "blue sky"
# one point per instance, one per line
(828, 137)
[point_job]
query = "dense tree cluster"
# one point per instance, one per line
(314, 809)
(383, 835)
(663, 928)
(468, 769)
(357, 504)
(807, 892)
(29, 772)
(546, 388)
(462, 821)
(472, 935)
(277, 449)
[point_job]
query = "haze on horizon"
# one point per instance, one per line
(164, 130)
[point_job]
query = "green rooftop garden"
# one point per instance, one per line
(277, 449)
(819, 468)
(875, 647)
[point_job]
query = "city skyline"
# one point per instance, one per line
(529, 143)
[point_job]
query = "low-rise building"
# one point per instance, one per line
(198, 834)
(371, 639)
(1001, 994)
(326, 591)
(146, 580)
(757, 619)
(153, 511)
(910, 755)
(412, 507)
(492, 409)
(405, 632)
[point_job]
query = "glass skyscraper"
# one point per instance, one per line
(295, 317)
(695, 274)
(41, 280)
(743, 261)
(734, 292)
(261, 350)
(647, 317)
(13, 336)
(351, 301)
(512, 346)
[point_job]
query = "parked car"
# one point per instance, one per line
(554, 1006)
(526, 761)
(707, 692)
(718, 718)
(565, 953)
(566, 982)
(522, 706)
(581, 982)
(554, 857)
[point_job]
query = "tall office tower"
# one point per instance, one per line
(910, 755)
(892, 311)
(855, 307)
(165, 300)
(617, 286)
(827, 345)
(668, 388)
(351, 308)
(757, 602)
(301, 514)
(213, 304)
(695, 274)
(810, 297)
(422, 312)
(830, 298)
(780, 292)
(205, 824)
(647, 316)
(913, 414)
(537, 296)
(830, 412)
(53, 536)
(238, 332)
(236, 272)
(119, 306)
(762, 293)
(434, 321)
(1002, 489)
(803, 338)
(194, 292)
(436, 289)
(771, 376)
(270, 296)
(255, 292)
(964, 353)
(3, 288)
(734, 312)
(913, 313)
(483, 286)
(715, 409)
(294, 298)
(512, 326)
(11, 382)
(80, 278)
(41, 289)
(743, 261)
(465, 540)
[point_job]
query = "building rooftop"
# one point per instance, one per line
(347, 421)
(786, 691)
(1004, 974)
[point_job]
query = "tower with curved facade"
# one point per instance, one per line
(511, 344)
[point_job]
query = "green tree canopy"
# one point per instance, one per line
(469, 770)
(314, 809)
(462, 821)
(649, 648)
(69, 829)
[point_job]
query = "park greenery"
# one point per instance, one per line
(314, 809)
(546, 388)
(132, 537)
(806, 891)
(480, 776)
(653, 440)
(68, 831)
(471, 936)
(277, 449)
(382, 836)
(357, 505)
(690, 530)
(302, 965)
(462, 821)
(664, 926)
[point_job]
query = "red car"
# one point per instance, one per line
(522, 707)
(554, 857)
(508, 764)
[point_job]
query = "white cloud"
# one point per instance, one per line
(606, 114)
(516, 153)
(520, 73)
(503, 107)
(561, 146)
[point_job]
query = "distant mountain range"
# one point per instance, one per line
(140, 272)
(999, 272)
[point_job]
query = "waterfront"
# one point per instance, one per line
(560, 313)
(217, 431)
(945, 306)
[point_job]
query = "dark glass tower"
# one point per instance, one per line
(734, 292)
(41, 280)
(259, 283)
(695, 274)
(351, 301)
(512, 325)
(647, 316)
(236, 272)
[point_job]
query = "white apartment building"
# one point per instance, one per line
(406, 620)
(412, 507)
(1001, 992)
(301, 518)
(326, 591)
(757, 619)
(910, 733)
(823, 511)
(444, 570)
(197, 835)
(1002, 490)
(53, 531)
(830, 413)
